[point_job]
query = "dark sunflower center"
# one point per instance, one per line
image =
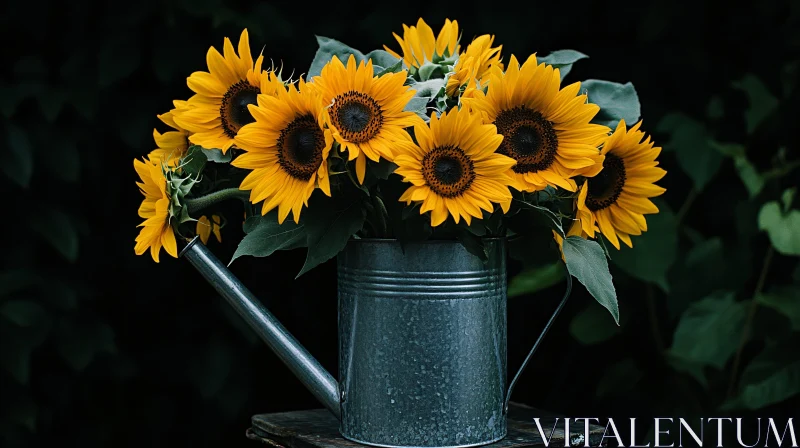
(300, 146)
(357, 116)
(233, 110)
(605, 188)
(448, 171)
(528, 138)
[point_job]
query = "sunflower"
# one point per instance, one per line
(419, 44)
(455, 169)
(287, 150)
(546, 129)
(473, 65)
(617, 198)
(171, 145)
(219, 107)
(365, 113)
(205, 227)
(156, 230)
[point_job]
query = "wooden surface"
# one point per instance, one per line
(319, 429)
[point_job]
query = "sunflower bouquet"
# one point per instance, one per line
(432, 141)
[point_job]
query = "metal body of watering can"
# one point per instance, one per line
(422, 352)
(422, 338)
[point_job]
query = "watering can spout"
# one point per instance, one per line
(307, 369)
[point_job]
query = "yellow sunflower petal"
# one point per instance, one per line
(286, 149)
(617, 198)
(214, 115)
(450, 180)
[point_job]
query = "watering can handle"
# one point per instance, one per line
(538, 341)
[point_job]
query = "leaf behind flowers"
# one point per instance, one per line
(617, 101)
(382, 61)
(265, 236)
(563, 60)
(330, 222)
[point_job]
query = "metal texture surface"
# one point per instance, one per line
(422, 351)
(307, 369)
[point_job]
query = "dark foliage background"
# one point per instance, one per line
(99, 347)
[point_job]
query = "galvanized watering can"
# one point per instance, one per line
(422, 341)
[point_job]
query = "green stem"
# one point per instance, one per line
(748, 323)
(197, 204)
(382, 216)
(687, 203)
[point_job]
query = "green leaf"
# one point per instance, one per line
(428, 89)
(783, 229)
(265, 236)
(653, 252)
(328, 48)
(385, 60)
(787, 198)
(586, 261)
(476, 227)
(692, 368)
(749, 175)
(216, 155)
(419, 106)
(330, 222)
(23, 313)
(785, 300)
(716, 108)
(772, 377)
(472, 243)
(81, 342)
(693, 147)
(709, 331)
(429, 70)
(762, 101)
(619, 379)
(536, 279)
(563, 60)
(708, 266)
(617, 102)
(398, 66)
(51, 102)
(116, 60)
(56, 228)
(18, 164)
(547, 216)
(751, 178)
(380, 170)
(194, 161)
(17, 344)
(591, 326)
(404, 221)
